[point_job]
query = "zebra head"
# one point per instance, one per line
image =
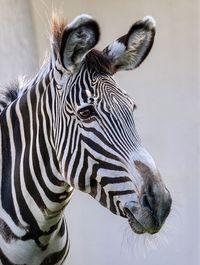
(95, 136)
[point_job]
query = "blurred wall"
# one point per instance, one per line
(18, 51)
(165, 88)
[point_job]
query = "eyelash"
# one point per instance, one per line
(86, 112)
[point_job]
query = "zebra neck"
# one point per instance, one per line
(34, 193)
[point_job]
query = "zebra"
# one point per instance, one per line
(72, 127)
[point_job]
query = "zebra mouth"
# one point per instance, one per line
(134, 224)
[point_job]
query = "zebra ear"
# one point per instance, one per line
(78, 38)
(129, 51)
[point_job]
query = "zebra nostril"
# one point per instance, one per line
(150, 191)
(147, 202)
(148, 197)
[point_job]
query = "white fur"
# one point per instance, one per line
(80, 20)
(151, 21)
(116, 49)
(143, 156)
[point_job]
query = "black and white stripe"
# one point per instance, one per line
(70, 127)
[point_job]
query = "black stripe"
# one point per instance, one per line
(6, 190)
(56, 256)
(113, 180)
(7, 235)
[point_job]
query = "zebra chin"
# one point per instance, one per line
(138, 226)
(147, 217)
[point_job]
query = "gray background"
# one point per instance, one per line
(166, 91)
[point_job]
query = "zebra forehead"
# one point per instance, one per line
(99, 62)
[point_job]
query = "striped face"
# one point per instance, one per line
(100, 151)
(105, 141)
(102, 154)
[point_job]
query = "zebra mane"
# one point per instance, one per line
(99, 62)
(11, 92)
(58, 24)
(16, 88)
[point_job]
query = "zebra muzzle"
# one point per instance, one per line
(149, 214)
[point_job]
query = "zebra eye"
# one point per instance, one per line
(86, 112)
